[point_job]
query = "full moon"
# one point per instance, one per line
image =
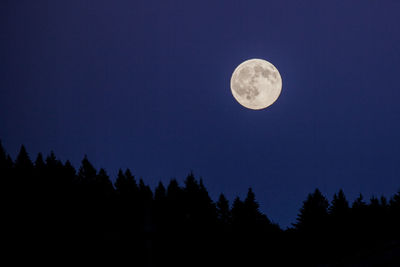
(256, 84)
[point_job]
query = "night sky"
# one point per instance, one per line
(146, 85)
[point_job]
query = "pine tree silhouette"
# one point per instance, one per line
(160, 213)
(23, 169)
(238, 213)
(223, 212)
(49, 202)
(160, 193)
(313, 215)
(175, 207)
(312, 224)
(338, 226)
(24, 186)
(254, 218)
(340, 206)
(87, 173)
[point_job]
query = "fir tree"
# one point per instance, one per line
(160, 192)
(223, 212)
(87, 173)
(313, 214)
(339, 206)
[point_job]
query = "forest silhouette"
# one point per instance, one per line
(52, 207)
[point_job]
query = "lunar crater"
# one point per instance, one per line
(256, 84)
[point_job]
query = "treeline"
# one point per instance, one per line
(49, 203)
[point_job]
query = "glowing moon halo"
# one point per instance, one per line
(256, 84)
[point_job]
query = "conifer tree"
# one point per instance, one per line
(160, 192)
(238, 212)
(87, 173)
(145, 192)
(340, 206)
(39, 162)
(23, 181)
(223, 212)
(23, 163)
(120, 182)
(313, 214)
(104, 184)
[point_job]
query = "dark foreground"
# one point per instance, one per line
(53, 213)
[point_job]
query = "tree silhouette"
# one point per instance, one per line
(238, 213)
(23, 169)
(339, 212)
(338, 226)
(160, 193)
(174, 205)
(254, 218)
(223, 211)
(340, 206)
(40, 167)
(104, 187)
(24, 188)
(49, 201)
(312, 225)
(160, 214)
(313, 215)
(87, 173)
(23, 162)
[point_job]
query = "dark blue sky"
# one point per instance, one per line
(145, 85)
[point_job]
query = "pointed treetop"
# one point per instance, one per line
(223, 212)
(159, 192)
(340, 205)
(222, 203)
(23, 161)
(121, 174)
(313, 213)
(222, 198)
(52, 157)
(173, 188)
(39, 162)
(145, 190)
(128, 173)
(87, 171)
(130, 179)
(120, 182)
(250, 201)
(201, 185)
(237, 203)
(69, 168)
(68, 164)
(191, 184)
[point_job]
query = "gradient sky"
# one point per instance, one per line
(145, 85)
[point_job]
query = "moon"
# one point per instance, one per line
(256, 84)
